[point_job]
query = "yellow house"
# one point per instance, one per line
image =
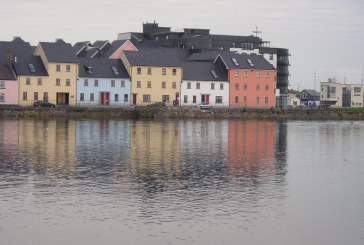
(62, 66)
(156, 75)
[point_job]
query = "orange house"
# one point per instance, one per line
(252, 80)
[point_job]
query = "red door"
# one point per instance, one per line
(134, 99)
(102, 98)
(107, 98)
(207, 98)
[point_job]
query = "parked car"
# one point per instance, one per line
(40, 103)
(205, 106)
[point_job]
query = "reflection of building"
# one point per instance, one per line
(53, 142)
(252, 146)
(8, 141)
(155, 148)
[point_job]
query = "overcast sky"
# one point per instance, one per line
(326, 36)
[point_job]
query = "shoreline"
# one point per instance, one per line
(144, 112)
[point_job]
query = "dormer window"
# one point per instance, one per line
(88, 70)
(116, 72)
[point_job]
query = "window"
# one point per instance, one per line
(174, 72)
(85, 82)
(39, 81)
(257, 74)
(112, 83)
(68, 82)
(270, 56)
(164, 71)
(236, 73)
(139, 70)
(165, 98)
(149, 84)
(267, 75)
(237, 86)
(221, 86)
(25, 96)
(194, 99)
(58, 68)
(163, 84)
(250, 62)
(146, 98)
(266, 87)
(114, 70)
(122, 83)
(116, 98)
(218, 99)
(331, 92)
(266, 100)
(82, 96)
(149, 71)
(58, 82)
(236, 99)
(27, 81)
(245, 86)
(35, 95)
(245, 74)
(258, 87)
(257, 100)
(68, 68)
(212, 86)
(92, 97)
(185, 99)
(189, 85)
(88, 69)
(126, 98)
(245, 100)
(96, 83)
(2, 84)
(174, 85)
(31, 68)
(214, 74)
(2, 97)
(197, 85)
(139, 84)
(45, 96)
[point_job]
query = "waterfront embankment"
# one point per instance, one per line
(179, 113)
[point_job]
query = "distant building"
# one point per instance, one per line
(293, 100)
(197, 40)
(341, 95)
(309, 97)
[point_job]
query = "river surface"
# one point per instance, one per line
(181, 182)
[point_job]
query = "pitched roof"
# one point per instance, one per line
(203, 71)
(101, 68)
(257, 62)
(312, 92)
(21, 67)
(155, 57)
(59, 52)
(6, 73)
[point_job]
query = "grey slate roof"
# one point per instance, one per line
(101, 68)
(260, 63)
(6, 73)
(59, 51)
(312, 92)
(201, 71)
(159, 57)
(21, 67)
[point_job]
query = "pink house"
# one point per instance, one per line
(8, 86)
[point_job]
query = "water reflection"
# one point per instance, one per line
(144, 172)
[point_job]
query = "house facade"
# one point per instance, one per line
(102, 82)
(204, 82)
(252, 80)
(309, 97)
(62, 66)
(8, 86)
(156, 76)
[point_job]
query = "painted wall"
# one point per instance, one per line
(9, 92)
(104, 85)
(337, 96)
(205, 89)
(156, 78)
(250, 87)
(31, 89)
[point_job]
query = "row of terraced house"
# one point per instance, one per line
(120, 73)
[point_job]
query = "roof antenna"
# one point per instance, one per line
(256, 31)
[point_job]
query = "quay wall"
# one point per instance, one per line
(146, 112)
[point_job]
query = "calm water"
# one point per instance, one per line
(181, 182)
